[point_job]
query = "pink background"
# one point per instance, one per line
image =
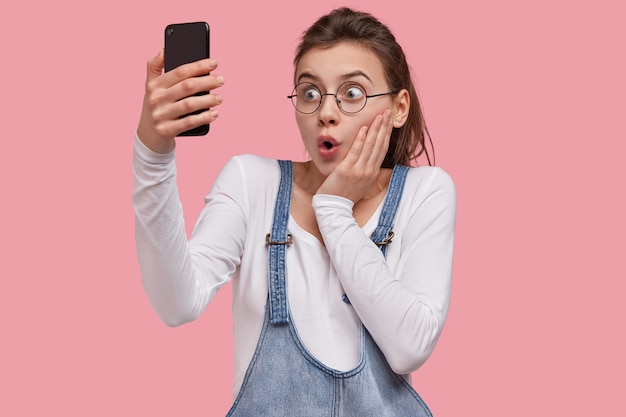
(525, 103)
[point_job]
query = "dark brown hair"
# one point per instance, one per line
(346, 25)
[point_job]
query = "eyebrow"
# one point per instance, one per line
(353, 74)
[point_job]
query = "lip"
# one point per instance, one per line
(327, 146)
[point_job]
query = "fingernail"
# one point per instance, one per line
(214, 114)
(212, 63)
(218, 98)
(220, 79)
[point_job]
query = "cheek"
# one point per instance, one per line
(364, 119)
(302, 123)
(372, 110)
(299, 119)
(307, 132)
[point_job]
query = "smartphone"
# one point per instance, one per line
(185, 43)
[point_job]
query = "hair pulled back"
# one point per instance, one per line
(408, 142)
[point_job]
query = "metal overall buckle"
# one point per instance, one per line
(289, 240)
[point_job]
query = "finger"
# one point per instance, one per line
(155, 66)
(194, 85)
(373, 138)
(194, 104)
(381, 142)
(191, 70)
(369, 142)
(357, 147)
(177, 126)
(192, 121)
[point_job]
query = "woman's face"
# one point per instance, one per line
(328, 133)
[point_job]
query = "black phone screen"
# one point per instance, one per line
(185, 43)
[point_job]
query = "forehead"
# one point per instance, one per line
(341, 61)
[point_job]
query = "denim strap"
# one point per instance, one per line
(277, 240)
(383, 233)
(279, 237)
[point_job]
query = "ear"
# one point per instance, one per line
(401, 104)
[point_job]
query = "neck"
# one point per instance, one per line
(310, 179)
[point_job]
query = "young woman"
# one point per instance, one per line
(340, 265)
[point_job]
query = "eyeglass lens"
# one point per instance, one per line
(351, 97)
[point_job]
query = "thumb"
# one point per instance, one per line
(155, 66)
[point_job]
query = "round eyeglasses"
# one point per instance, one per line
(350, 97)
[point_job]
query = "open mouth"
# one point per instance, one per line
(327, 142)
(327, 146)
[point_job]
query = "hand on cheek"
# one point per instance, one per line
(356, 174)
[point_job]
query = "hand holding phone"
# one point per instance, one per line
(186, 43)
(177, 101)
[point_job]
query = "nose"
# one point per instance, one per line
(329, 111)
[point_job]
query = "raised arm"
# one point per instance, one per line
(180, 277)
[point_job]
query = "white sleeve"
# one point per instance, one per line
(181, 276)
(404, 310)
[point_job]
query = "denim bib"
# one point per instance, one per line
(284, 379)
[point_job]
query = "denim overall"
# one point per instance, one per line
(284, 379)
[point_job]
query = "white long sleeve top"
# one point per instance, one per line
(402, 300)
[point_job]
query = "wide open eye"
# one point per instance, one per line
(308, 93)
(352, 93)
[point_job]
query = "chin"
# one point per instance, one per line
(325, 167)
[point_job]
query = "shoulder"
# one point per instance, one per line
(253, 163)
(249, 180)
(430, 178)
(428, 185)
(252, 175)
(251, 168)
